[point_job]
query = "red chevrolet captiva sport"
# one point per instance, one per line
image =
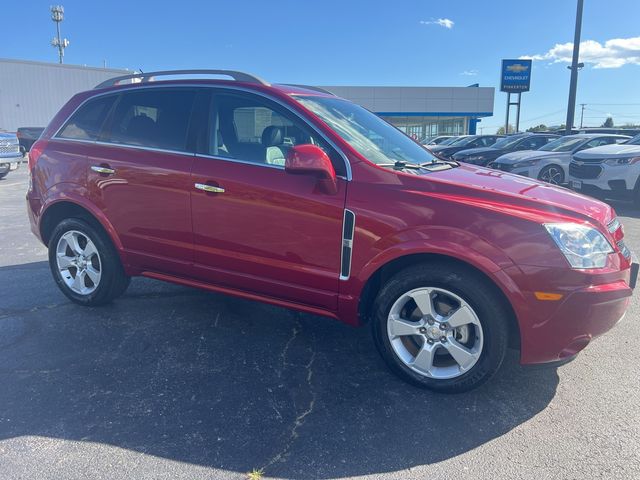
(292, 196)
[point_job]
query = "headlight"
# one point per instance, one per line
(526, 163)
(583, 246)
(622, 161)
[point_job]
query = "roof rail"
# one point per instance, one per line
(145, 77)
(310, 87)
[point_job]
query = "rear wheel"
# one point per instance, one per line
(84, 263)
(440, 326)
(553, 174)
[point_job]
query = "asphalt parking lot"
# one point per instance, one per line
(169, 382)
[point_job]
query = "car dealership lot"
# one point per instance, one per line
(169, 382)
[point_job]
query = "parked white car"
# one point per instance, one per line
(550, 163)
(612, 171)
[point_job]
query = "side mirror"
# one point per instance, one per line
(311, 160)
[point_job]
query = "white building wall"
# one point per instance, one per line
(31, 93)
(471, 101)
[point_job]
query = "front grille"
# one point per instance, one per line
(584, 171)
(9, 149)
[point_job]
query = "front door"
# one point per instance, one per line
(264, 230)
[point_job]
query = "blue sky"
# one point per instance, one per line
(401, 42)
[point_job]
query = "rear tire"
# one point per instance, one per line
(85, 264)
(452, 339)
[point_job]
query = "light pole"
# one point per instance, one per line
(575, 66)
(57, 15)
(582, 113)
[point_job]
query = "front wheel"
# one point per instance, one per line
(552, 174)
(84, 263)
(441, 327)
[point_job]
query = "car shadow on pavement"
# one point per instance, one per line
(231, 384)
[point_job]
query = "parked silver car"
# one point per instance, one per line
(550, 163)
(10, 156)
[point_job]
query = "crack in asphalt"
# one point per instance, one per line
(301, 417)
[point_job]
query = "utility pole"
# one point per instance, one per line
(582, 113)
(575, 66)
(57, 15)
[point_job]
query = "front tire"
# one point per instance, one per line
(553, 174)
(85, 264)
(441, 326)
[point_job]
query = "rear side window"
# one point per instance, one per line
(86, 122)
(157, 118)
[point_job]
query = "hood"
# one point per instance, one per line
(516, 195)
(478, 151)
(609, 150)
(515, 157)
(11, 137)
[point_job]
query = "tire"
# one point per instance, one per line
(457, 297)
(2, 175)
(96, 276)
(553, 174)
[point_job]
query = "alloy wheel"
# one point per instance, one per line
(78, 262)
(435, 333)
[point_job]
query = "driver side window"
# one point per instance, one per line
(252, 129)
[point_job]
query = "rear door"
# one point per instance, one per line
(265, 230)
(139, 175)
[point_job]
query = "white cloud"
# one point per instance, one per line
(443, 22)
(613, 54)
(470, 73)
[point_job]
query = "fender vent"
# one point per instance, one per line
(348, 226)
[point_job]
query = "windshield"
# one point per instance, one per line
(564, 144)
(368, 134)
(634, 141)
(449, 141)
(507, 142)
(465, 141)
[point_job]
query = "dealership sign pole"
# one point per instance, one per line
(515, 77)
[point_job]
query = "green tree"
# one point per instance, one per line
(608, 123)
(501, 130)
(538, 128)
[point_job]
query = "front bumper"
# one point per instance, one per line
(552, 331)
(8, 164)
(612, 182)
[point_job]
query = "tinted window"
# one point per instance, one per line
(86, 123)
(157, 118)
(252, 129)
(534, 142)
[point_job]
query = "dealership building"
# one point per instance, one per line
(32, 92)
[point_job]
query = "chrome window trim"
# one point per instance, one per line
(237, 160)
(124, 145)
(117, 91)
(347, 243)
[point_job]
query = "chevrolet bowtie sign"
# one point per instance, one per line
(515, 76)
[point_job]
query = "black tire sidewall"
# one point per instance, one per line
(473, 289)
(111, 268)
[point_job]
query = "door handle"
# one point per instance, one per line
(103, 170)
(209, 188)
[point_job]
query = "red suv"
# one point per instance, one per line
(292, 196)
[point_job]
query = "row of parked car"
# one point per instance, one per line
(604, 165)
(13, 147)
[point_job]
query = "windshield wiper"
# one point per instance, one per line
(440, 161)
(401, 165)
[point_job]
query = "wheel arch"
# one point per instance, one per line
(378, 278)
(59, 210)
